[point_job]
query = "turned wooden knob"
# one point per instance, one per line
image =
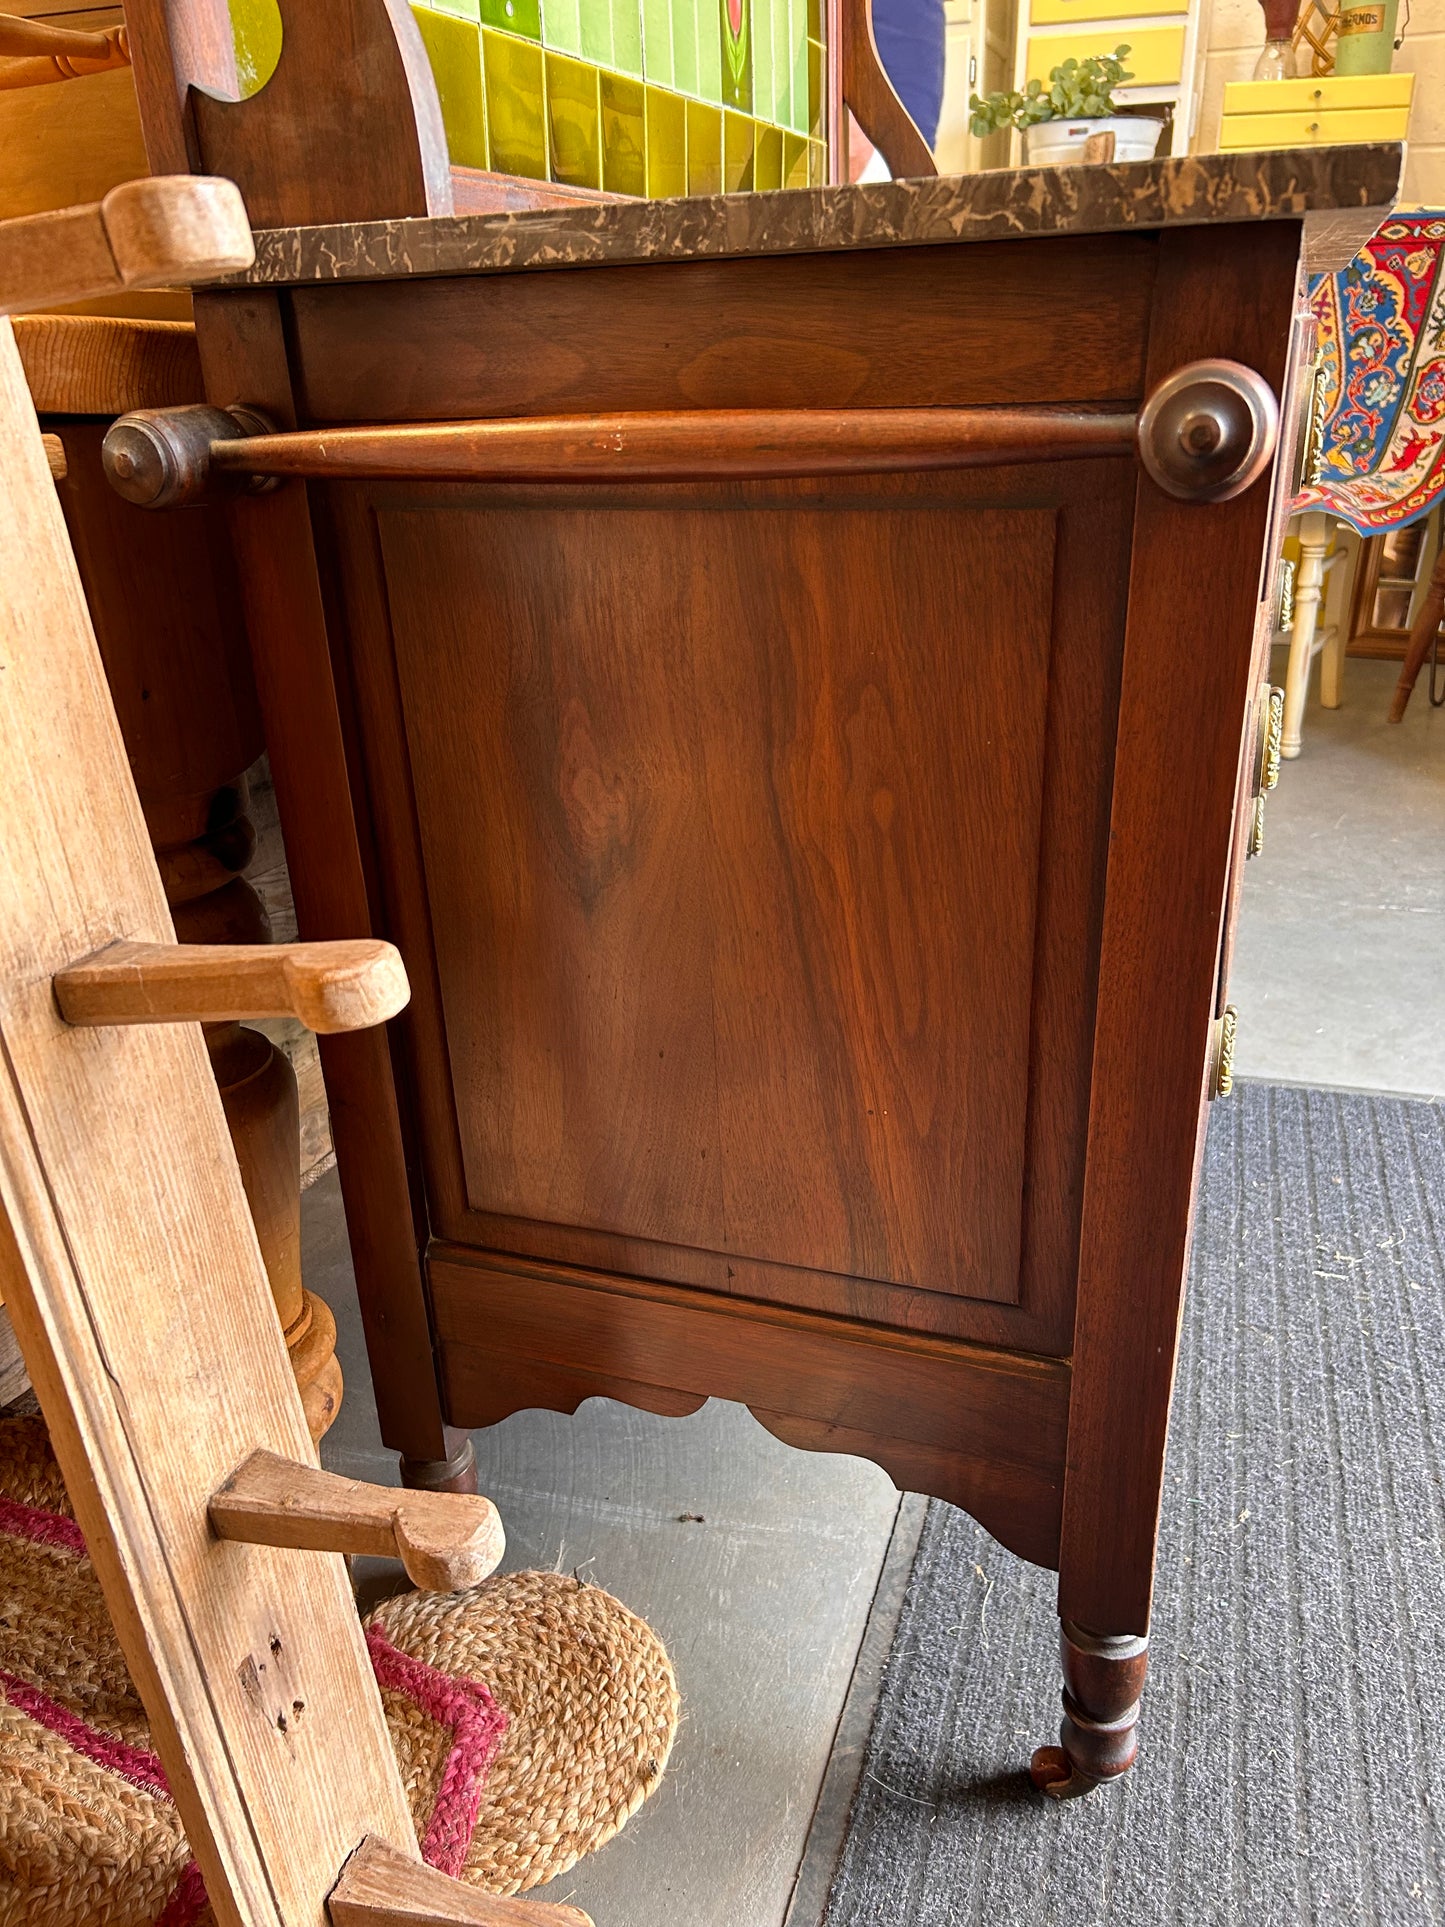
(157, 458)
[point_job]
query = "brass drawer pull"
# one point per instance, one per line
(1266, 775)
(1225, 1028)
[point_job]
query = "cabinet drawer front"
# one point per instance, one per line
(1106, 32)
(1155, 57)
(1330, 128)
(1313, 96)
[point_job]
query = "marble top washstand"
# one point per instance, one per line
(1343, 193)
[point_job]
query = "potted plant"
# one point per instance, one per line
(1056, 121)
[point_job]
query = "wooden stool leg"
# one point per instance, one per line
(1103, 1682)
(1314, 539)
(212, 903)
(1427, 627)
(456, 1474)
(258, 1095)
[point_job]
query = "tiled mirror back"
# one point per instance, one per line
(644, 97)
(635, 96)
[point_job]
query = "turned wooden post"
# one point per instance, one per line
(1103, 1684)
(165, 605)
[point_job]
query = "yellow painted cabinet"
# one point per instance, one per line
(1165, 51)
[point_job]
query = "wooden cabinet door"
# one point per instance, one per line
(757, 842)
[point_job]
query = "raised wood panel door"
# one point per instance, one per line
(747, 923)
(729, 817)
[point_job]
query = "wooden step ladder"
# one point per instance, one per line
(173, 1412)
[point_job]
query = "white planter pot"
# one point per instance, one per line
(1060, 143)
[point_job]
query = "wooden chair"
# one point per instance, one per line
(173, 1411)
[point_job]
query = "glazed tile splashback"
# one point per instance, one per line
(648, 97)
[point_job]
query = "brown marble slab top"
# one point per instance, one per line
(1359, 181)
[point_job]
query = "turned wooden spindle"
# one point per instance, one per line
(35, 53)
(165, 604)
(1103, 1684)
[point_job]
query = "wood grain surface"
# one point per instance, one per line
(907, 327)
(1089, 509)
(446, 1541)
(981, 1428)
(348, 985)
(243, 351)
(741, 953)
(119, 1188)
(102, 365)
(1195, 583)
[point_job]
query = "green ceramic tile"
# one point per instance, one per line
(704, 149)
(562, 26)
(768, 159)
(624, 135)
(454, 49)
(595, 19)
(737, 153)
(684, 46)
(627, 36)
(514, 16)
(795, 161)
(817, 164)
(709, 52)
(464, 9)
(657, 42)
(666, 144)
(574, 122)
(760, 42)
(735, 44)
(816, 69)
(782, 65)
(798, 66)
(515, 111)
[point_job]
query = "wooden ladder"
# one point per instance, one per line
(173, 1412)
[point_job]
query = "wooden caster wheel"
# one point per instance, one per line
(1054, 1773)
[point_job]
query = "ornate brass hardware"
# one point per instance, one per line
(1209, 431)
(1269, 744)
(1272, 743)
(1221, 1076)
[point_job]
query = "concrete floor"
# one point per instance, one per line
(1339, 968)
(765, 1603)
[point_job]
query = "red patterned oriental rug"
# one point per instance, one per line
(1379, 446)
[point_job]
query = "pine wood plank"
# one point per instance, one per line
(98, 1259)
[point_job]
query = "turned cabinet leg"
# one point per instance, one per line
(1103, 1682)
(456, 1474)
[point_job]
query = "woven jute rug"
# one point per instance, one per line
(531, 1716)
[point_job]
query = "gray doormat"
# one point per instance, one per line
(1292, 1765)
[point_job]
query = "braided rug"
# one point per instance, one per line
(531, 1717)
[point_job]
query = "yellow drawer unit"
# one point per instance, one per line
(1155, 57)
(1084, 13)
(1329, 112)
